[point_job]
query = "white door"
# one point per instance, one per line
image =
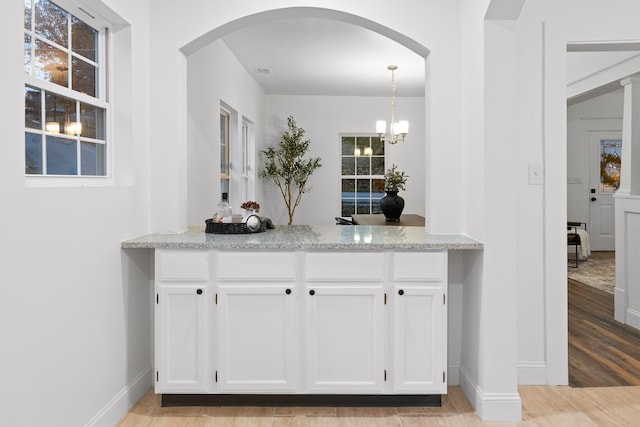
(606, 149)
(344, 338)
(181, 319)
(419, 339)
(257, 338)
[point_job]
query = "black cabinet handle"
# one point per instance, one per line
(400, 292)
(199, 292)
(312, 292)
(288, 291)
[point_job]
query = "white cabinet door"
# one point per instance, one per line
(257, 338)
(181, 334)
(344, 338)
(419, 339)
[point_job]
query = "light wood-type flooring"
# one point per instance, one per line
(541, 406)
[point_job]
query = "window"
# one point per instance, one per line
(362, 176)
(225, 143)
(245, 160)
(65, 101)
(610, 162)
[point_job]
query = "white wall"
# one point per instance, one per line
(74, 308)
(215, 76)
(544, 29)
(592, 117)
(324, 118)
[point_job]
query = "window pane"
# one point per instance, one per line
(363, 165)
(377, 188)
(28, 66)
(92, 119)
(84, 77)
(377, 166)
(364, 186)
(62, 158)
(84, 39)
(610, 162)
(363, 206)
(51, 22)
(375, 205)
(377, 145)
(33, 153)
(32, 108)
(362, 142)
(27, 14)
(92, 159)
(348, 145)
(59, 109)
(348, 207)
(348, 166)
(51, 64)
(348, 187)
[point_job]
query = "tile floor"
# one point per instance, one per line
(541, 406)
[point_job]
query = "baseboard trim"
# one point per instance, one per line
(532, 373)
(491, 406)
(122, 402)
(633, 318)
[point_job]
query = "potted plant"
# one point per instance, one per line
(286, 166)
(391, 204)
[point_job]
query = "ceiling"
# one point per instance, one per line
(316, 56)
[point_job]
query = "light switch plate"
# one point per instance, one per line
(536, 175)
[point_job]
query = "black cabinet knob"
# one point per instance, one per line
(199, 292)
(288, 291)
(400, 292)
(312, 292)
(593, 199)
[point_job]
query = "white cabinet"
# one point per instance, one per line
(257, 337)
(314, 322)
(181, 320)
(419, 337)
(345, 339)
(419, 325)
(181, 324)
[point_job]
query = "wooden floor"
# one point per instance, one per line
(602, 351)
(541, 406)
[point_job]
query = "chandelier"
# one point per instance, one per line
(396, 129)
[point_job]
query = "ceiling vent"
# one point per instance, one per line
(263, 71)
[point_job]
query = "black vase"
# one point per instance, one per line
(391, 206)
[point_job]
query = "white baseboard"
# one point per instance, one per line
(633, 318)
(122, 402)
(532, 373)
(491, 406)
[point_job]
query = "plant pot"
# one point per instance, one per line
(391, 206)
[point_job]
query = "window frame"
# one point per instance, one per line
(357, 176)
(80, 12)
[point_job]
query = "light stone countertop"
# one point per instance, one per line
(293, 237)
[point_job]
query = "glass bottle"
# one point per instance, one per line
(224, 209)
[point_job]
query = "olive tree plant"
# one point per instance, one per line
(286, 166)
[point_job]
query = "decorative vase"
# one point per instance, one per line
(247, 213)
(391, 206)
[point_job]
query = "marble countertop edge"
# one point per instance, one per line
(304, 237)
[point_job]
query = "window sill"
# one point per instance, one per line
(44, 181)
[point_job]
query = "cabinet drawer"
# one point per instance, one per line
(411, 266)
(256, 265)
(355, 266)
(182, 265)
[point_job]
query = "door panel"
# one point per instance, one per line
(606, 149)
